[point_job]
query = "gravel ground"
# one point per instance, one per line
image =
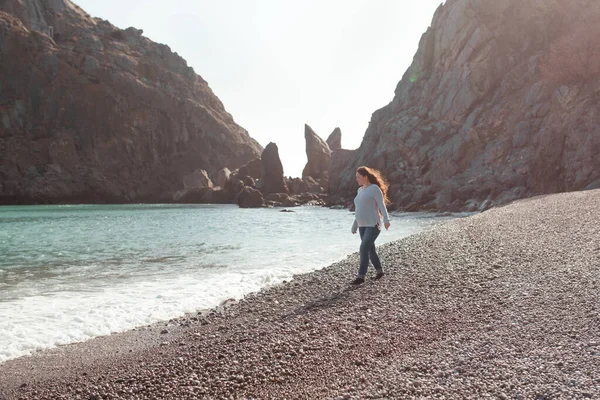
(503, 305)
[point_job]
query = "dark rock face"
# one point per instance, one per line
(203, 196)
(250, 198)
(249, 181)
(318, 154)
(252, 168)
(272, 177)
(234, 186)
(191, 196)
(295, 185)
(340, 162)
(277, 197)
(306, 185)
(222, 176)
(334, 141)
(217, 196)
(281, 200)
(92, 113)
(502, 101)
(285, 200)
(197, 179)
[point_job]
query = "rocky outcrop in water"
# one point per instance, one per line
(250, 198)
(502, 101)
(93, 113)
(258, 183)
(272, 179)
(318, 154)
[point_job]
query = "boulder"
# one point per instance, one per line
(248, 181)
(250, 198)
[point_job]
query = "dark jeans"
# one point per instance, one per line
(368, 235)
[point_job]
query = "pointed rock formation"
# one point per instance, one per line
(334, 141)
(93, 113)
(494, 107)
(340, 160)
(272, 177)
(318, 154)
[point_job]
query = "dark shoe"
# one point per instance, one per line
(378, 276)
(358, 281)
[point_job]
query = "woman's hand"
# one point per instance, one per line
(387, 226)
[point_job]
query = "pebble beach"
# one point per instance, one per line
(500, 305)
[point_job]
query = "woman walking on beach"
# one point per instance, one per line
(369, 208)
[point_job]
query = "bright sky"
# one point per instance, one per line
(278, 64)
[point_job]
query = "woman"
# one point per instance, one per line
(369, 206)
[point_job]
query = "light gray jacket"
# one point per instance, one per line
(369, 207)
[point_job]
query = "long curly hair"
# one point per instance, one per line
(376, 178)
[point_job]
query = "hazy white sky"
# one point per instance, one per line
(278, 64)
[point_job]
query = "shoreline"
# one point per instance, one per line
(501, 304)
(25, 334)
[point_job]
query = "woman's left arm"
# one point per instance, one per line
(382, 208)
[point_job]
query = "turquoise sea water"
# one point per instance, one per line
(70, 273)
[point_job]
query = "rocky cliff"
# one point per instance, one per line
(93, 113)
(502, 101)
